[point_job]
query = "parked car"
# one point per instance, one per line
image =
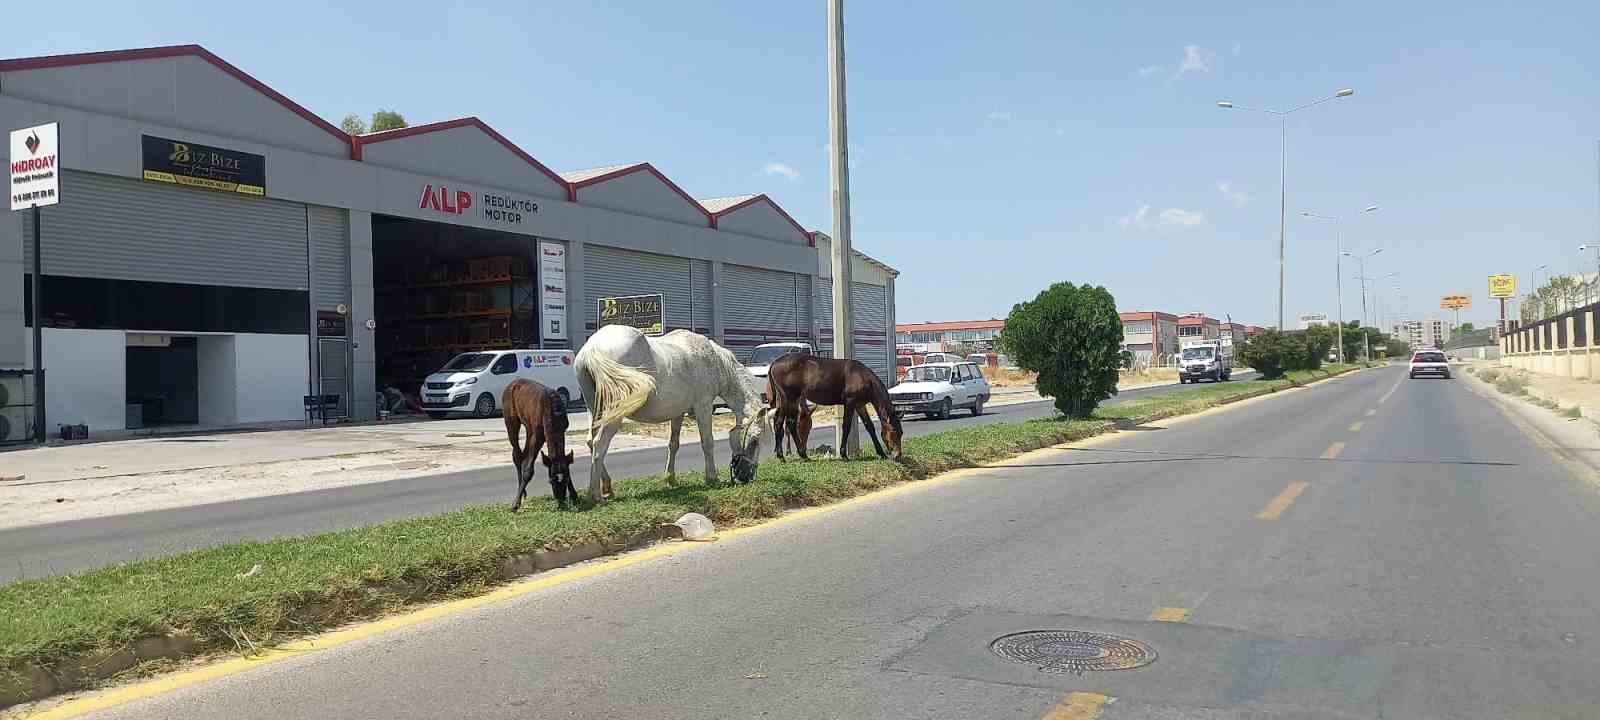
(936, 389)
(473, 382)
(761, 358)
(1429, 362)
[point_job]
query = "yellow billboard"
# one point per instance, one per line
(1502, 286)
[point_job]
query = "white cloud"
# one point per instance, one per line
(1167, 220)
(1150, 70)
(1236, 48)
(778, 168)
(1195, 59)
(1136, 219)
(1060, 132)
(1178, 217)
(998, 115)
(1238, 196)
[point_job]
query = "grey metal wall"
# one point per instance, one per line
(134, 230)
(872, 312)
(330, 262)
(700, 279)
(759, 306)
(871, 322)
(610, 272)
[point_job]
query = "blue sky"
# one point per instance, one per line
(1000, 147)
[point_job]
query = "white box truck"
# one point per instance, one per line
(1211, 359)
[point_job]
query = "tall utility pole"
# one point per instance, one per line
(1283, 176)
(839, 177)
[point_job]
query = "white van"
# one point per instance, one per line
(473, 382)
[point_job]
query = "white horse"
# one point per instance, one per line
(626, 375)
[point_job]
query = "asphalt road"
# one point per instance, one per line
(81, 544)
(1432, 562)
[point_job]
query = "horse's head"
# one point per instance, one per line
(749, 455)
(893, 434)
(560, 466)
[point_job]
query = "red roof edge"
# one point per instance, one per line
(644, 166)
(166, 51)
(758, 198)
(360, 141)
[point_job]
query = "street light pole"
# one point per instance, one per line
(1283, 179)
(839, 175)
(1338, 273)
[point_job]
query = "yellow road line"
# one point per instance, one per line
(1356, 426)
(171, 682)
(1333, 451)
(1170, 614)
(1370, 413)
(1078, 706)
(1282, 501)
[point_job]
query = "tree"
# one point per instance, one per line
(1270, 352)
(387, 120)
(353, 124)
(1465, 327)
(1071, 335)
(381, 120)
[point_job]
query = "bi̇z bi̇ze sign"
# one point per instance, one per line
(644, 312)
(185, 163)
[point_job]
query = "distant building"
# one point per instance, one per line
(1150, 335)
(1309, 320)
(1197, 325)
(1419, 334)
(982, 334)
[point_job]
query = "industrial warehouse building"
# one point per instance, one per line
(220, 252)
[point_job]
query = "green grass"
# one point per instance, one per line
(254, 594)
(1488, 374)
(1572, 412)
(1512, 385)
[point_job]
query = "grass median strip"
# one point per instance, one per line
(63, 632)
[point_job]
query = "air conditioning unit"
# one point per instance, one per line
(14, 424)
(14, 420)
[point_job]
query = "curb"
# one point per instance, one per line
(31, 682)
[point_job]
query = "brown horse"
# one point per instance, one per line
(541, 410)
(795, 378)
(799, 429)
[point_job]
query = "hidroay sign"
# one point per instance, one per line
(35, 163)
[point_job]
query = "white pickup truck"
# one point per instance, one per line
(1209, 359)
(761, 358)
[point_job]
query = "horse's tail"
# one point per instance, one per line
(619, 390)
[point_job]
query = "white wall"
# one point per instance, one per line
(271, 372)
(218, 372)
(86, 377)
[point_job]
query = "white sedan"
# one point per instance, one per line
(935, 389)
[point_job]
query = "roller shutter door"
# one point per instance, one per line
(700, 280)
(126, 229)
(871, 304)
(871, 321)
(330, 262)
(822, 292)
(759, 306)
(610, 272)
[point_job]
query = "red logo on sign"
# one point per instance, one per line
(33, 144)
(441, 199)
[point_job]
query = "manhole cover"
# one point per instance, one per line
(1073, 651)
